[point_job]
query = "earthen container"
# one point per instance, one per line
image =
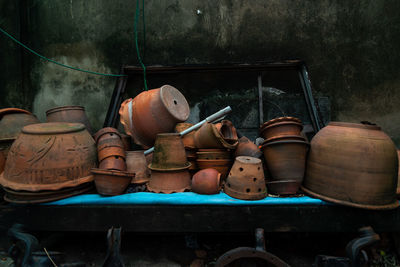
(206, 182)
(116, 163)
(136, 163)
(247, 148)
(169, 181)
(69, 114)
(110, 182)
(281, 128)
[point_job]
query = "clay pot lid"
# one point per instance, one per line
(175, 102)
(56, 109)
(284, 142)
(97, 171)
(53, 128)
(280, 119)
(248, 160)
(363, 125)
(105, 130)
(5, 111)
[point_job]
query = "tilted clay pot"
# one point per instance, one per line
(110, 182)
(169, 182)
(354, 165)
(50, 156)
(246, 179)
(187, 139)
(169, 153)
(152, 112)
(136, 163)
(206, 182)
(69, 114)
(221, 165)
(208, 136)
(247, 148)
(286, 160)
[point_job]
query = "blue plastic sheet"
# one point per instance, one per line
(185, 198)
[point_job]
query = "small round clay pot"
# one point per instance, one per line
(206, 182)
(212, 154)
(106, 133)
(285, 187)
(69, 114)
(282, 128)
(169, 153)
(110, 182)
(247, 148)
(187, 139)
(136, 163)
(246, 179)
(113, 163)
(208, 136)
(110, 151)
(169, 182)
(221, 165)
(286, 160)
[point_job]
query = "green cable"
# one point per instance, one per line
(136, 42)
(55, 62)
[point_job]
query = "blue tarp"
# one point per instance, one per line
(185, 198)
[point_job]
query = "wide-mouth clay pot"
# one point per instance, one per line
(281, 128)
(209, 136)
(74, 114)
(206, 182)
(136, 163)
(169, 182)
(247, 148)
(50, 156)
(285, 187)
(110, 182)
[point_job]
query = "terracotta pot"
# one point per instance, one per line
(169, 182)
(286, 160)
(50, 156)
(113, 163)
(281, 128)
(280, 119)
(208, 136)
(69, 114)
(221, 165)
(354, 165)
(153, 112)
(284, 138)
(246, 179)
(108, 133)
(212, 154)
(111, 183)
(285, 187)
(227, 131)
(206, 182)
(136, 163)
(169, 153)
(187, 139)
(110, 151)
(247, 148)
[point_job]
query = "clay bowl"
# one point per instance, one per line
(221, 165)
(169, 153)
(285, 187)
(187, 139)
(116, 163)
(50, 156)
(69, 114)
(247, 148)
(281, 128)
(136, 163)
(206, 182)
(169, 182)
(107, 133)
(213, 154)
(110, 182)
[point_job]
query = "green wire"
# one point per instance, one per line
(55, 62)
(136, 41)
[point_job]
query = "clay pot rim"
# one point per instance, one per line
(187, 165)
(354, 125)
(271, 139)
(61, 108)
(285, 142)
(280, 119)
(104, 131)
(389, 206)
(160, 95)
(40, 128)
(97, 171)
(5, 111)
(262, 130)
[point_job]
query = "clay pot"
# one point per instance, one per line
(246, 179)
(284, 138)
(111, 183)
(136, 163)
(227, 131)
(169, 182)
(50, 156)
(153, 112)
(285, 187)
(354, 165)
(221, 165)
(281, 128)
(110, 151)
(208, 136)
(116, 163)
(247, 148)
(69, 114)
(280, 119)
(108, 133)
(169, 153)
(286, 160)
(206, 182)
(187, 139)
(213, 154)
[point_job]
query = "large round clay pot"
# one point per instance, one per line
(69, 114)
(206, 182)
(50, 156)
(136, 163)
(353, 164)
(152, 112)
(2, 160)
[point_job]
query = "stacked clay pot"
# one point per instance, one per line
(189, 144)
(353, 164)
(217, 158)
(69, 114)
(169, 165)
(152, 112)
(285, 151)
(136, 163)
(246, 179)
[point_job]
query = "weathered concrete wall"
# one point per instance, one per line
(351, 47)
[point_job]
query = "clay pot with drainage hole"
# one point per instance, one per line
(246, 179)
(206, 182)
(169, 181)
(69, 114)
(136, 163)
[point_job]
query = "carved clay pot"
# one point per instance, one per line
(152, 112)
(285, 187)
(69, 114)
(169, 153)
(209, 136)
(246, 179)
(110, 182)
(169, 182)
(136, 163)
(247, 148)
(206, 182)
(354, 165)
(50, 156)
(221, 165)
(187, 139)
